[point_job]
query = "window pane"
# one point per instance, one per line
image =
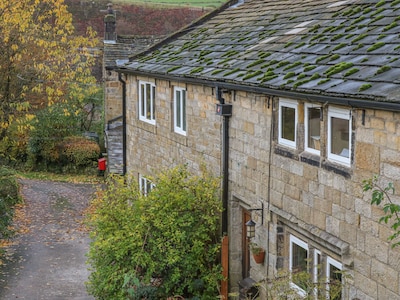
(148, 101)
(184, 110)
(299, 266)
(335, 283)
(340, 137)
(314, 133)
(142, 100)
(153, 108)
(299, 262)
(178, 109)
(288, 123)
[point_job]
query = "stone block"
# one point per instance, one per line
(385, 275)
(377, 249)
(368, 289)
(367, 157)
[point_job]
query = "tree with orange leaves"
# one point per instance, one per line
(42, 61)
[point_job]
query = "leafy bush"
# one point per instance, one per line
(51, 126)
(13, 146)
(78, 150)
(9, 196)
(168, 239)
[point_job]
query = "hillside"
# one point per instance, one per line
(132, 19)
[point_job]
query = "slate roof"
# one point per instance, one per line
(124, 47)
(333, 48)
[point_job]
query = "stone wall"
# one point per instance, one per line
(150, 148)
(319, 202)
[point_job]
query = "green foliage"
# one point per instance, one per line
(78, 150)
(382, 196)
(167, 239)
(51, 126)
(9, 196)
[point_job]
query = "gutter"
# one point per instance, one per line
(123, 123)
(341, 100)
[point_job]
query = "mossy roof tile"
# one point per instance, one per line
(313, 32)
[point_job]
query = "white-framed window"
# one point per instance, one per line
(298, 262)
(339, 135)
(180, 110)
(333, 279)
(147, 92)
(287, 128)
(312, 128)
(317, 273)
(145, 185)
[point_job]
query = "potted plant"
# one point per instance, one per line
(258, 253)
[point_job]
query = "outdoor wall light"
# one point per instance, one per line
(251, 225)
(250, 229)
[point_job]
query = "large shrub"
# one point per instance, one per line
(9, 196)
(79, 151)
(51, 126)
(159, 245)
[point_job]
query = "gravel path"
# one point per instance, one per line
(47, 259)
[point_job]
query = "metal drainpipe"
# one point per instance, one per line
(123, 122)
(225, 164)
(225, 182)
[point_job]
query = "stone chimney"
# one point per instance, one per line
(109, 23)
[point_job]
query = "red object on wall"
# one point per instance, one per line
(102, 164)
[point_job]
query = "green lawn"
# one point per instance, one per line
(190, 3)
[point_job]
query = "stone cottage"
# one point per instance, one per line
(293, 104)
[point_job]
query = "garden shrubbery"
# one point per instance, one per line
(160, 245)
(9, 196)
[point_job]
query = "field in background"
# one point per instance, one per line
(206, 4)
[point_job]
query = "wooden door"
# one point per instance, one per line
(245, 245)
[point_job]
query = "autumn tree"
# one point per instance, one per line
(42, 62)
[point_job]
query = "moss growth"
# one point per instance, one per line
(380, 3)
(288, 44)
(196, 70)
(375, 46)
(334, 57)
(255, 63)
(336, 37)
(253, 74)
(358, 20)
(367, 10)
(293, 65)
(390, 26)
(357, 47)
(268, 76)
(377, 18)
(309, 68)
(301, 76)
(350, 72)
(231, 72)
(289, 75)
(230, 53)
(340, 46)
(364, 87)
(321, 58)
(173, 69)
(282, 63)
(338, 68)
(382, 70)
(394, 3)
(381, 36)
(264, 54)
(315, 28)
(323, 81)
(215, 72)
(300, 45)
